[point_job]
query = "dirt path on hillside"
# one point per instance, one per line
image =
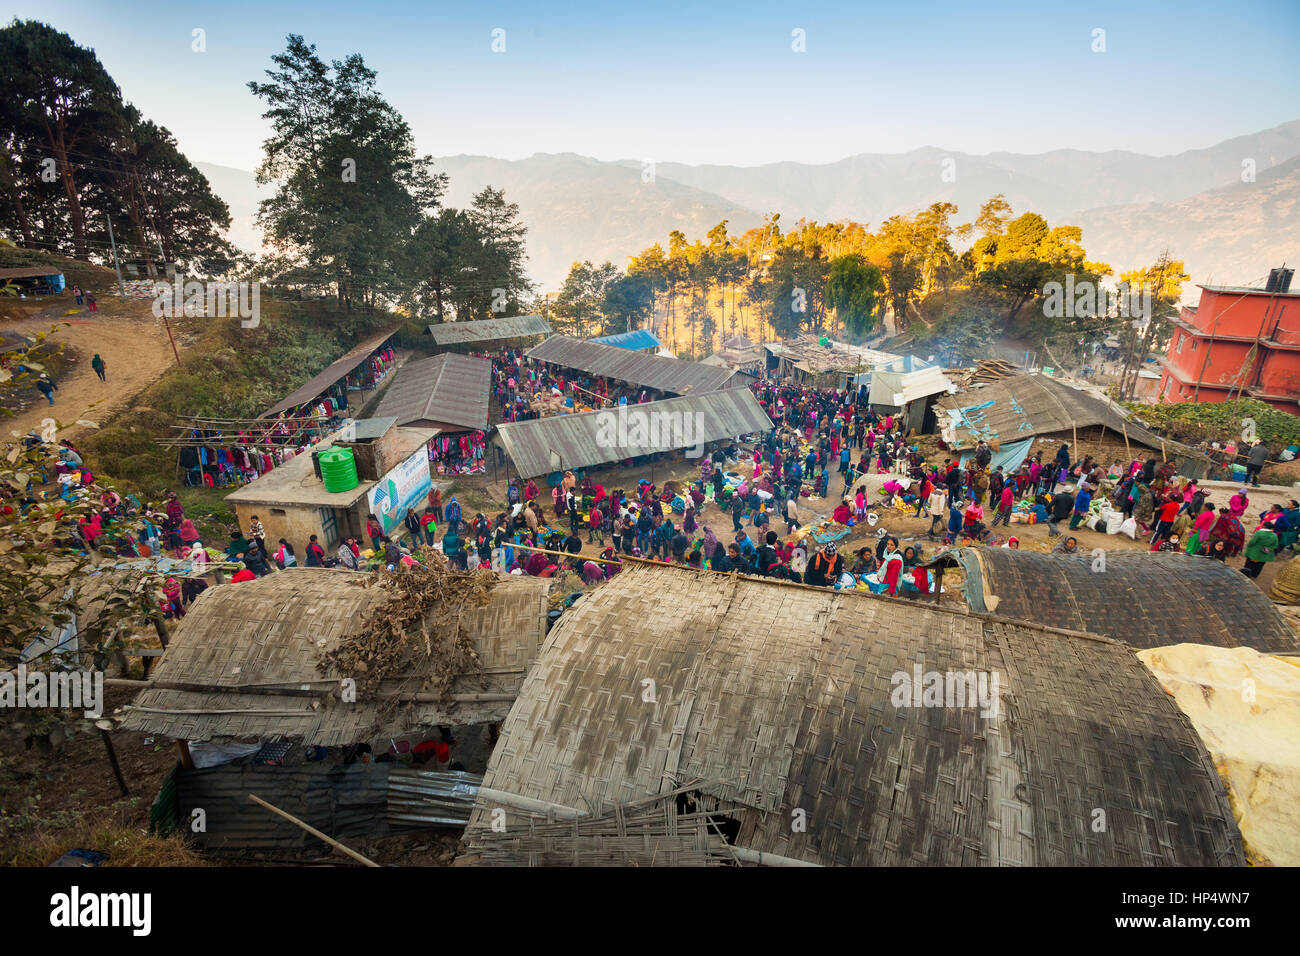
(132, 343)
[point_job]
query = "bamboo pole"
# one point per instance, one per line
(746, 855)
(528, 804)
(560, 812)
(564, 554)
(314, 832)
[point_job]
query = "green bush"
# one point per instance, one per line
(1221, 421)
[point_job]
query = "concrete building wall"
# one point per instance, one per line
(297, 523)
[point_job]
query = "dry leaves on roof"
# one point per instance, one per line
(417, 637)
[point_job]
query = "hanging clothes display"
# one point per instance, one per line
(459, 453)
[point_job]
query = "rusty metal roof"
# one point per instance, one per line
(674, 376)
(447, 389)
(318, 384)
(544, 445)
(489, 330)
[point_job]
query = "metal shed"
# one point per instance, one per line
(542, 445)
(449, 392)
(669, 375)
(489, 330)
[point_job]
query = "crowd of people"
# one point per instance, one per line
(824, 442)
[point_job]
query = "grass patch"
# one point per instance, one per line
(125, 845)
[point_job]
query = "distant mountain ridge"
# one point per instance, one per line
(1131, 206)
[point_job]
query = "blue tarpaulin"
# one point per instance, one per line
(635, 340)
(1009, 456)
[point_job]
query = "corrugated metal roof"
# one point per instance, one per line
(343, 801)
(488, 330)
(636, 340)
(318, 384)
(674, 376)
(360, 801)
(887, 384)
(445, 389)
(543, 445)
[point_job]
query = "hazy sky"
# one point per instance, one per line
(719, 82)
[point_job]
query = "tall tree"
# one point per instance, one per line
(351, 189)
(1163, 282)
(853, 286)
(500, 257)
(64, 100)
(440, 253)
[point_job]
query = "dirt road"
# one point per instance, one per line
(132, 343)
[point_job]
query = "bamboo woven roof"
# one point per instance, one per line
(273, 631)
(1142, 598)
(777, 697)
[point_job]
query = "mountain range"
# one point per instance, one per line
(1228, 211)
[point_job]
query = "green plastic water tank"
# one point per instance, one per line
(338, 469)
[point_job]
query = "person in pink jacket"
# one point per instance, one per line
(1201, 529)
(1005, 502)
(1238, 503)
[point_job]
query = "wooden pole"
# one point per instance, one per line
(168, 326)
(187, 761)
(112, 761)
(314, 832)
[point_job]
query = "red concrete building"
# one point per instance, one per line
(1237, 341)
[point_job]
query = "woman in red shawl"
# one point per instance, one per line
(1228, 529)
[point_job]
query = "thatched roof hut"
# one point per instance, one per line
(1142, 598)
(776, 707)
(263, 639)
(1027, 405)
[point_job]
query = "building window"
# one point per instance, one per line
(1195, 342)
(1180, 344)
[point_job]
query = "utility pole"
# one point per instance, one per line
(121, 289)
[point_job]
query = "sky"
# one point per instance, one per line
(721, 82)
